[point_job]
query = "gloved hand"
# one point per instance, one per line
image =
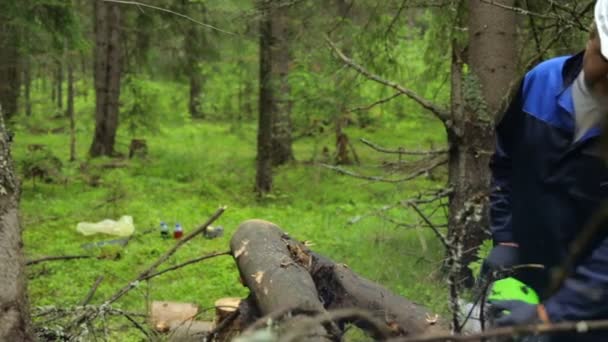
(501, 257)
(519, 313)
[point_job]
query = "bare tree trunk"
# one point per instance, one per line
(475, 99)
(27, 80)
(192, 41)
(108, 60)
(9, 68)
(70, 110)
(342, 157)
(263, 182)
(281, 126)
(14, 313)
(59, 82)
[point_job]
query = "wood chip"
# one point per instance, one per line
(257, 276)
(241, 250)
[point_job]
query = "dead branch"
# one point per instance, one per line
(141, 4)
(186, 263)
(377, 328)
(440, 113)
(55, 258)
(411, 176)
(402, 151)
(440, 236)
(164, 257)
(418, 199)
(551, 328)
(373, 104)
(520, 10)
(92, 291)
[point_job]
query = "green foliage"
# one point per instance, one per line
(482, 253)
(142, 105)
(41, 163)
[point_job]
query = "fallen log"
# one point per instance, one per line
(275, 280)
(286, 279)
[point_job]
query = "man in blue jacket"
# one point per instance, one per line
(548, 180)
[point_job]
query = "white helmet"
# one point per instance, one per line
(601, 22)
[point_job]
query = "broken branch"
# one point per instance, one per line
(440, 236)
(92, 291)
(372, 105)
(164, 257)
(401, 150)
(387, 180)
(186, 263)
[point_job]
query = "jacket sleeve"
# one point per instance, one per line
(585, 294)
(500, 166)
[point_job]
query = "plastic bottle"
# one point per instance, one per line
(178, 232)
(164, 230)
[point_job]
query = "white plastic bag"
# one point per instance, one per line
(123, 227)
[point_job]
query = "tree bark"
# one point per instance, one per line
(108, 60)
(14, 312)
(27, 82)
(476, 97)
(192, 42)
(276, 284)
(263, 182)
(59, 82)
(9, 67)
(70, 110)
(282, 151)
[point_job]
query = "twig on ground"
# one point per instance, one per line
(411, 176)
(164, 257)
(402, 151)
(92, 291)
(440, 113)
(55, 258)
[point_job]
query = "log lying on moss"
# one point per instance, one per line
(284, 275)
(275, 280)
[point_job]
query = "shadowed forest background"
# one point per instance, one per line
(363, 127)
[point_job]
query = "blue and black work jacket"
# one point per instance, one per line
(547, 186)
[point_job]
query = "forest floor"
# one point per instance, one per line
(193, 168)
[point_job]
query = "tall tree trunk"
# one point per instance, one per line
(280, 49)
(9, 67)
(14, 313)
(59, 83)
(193, 41)
(70, 110)
(263, 183)
(342, 157)
(108, 60)
(27, 80)
(476, 97)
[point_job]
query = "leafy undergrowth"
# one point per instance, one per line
(193, 168)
